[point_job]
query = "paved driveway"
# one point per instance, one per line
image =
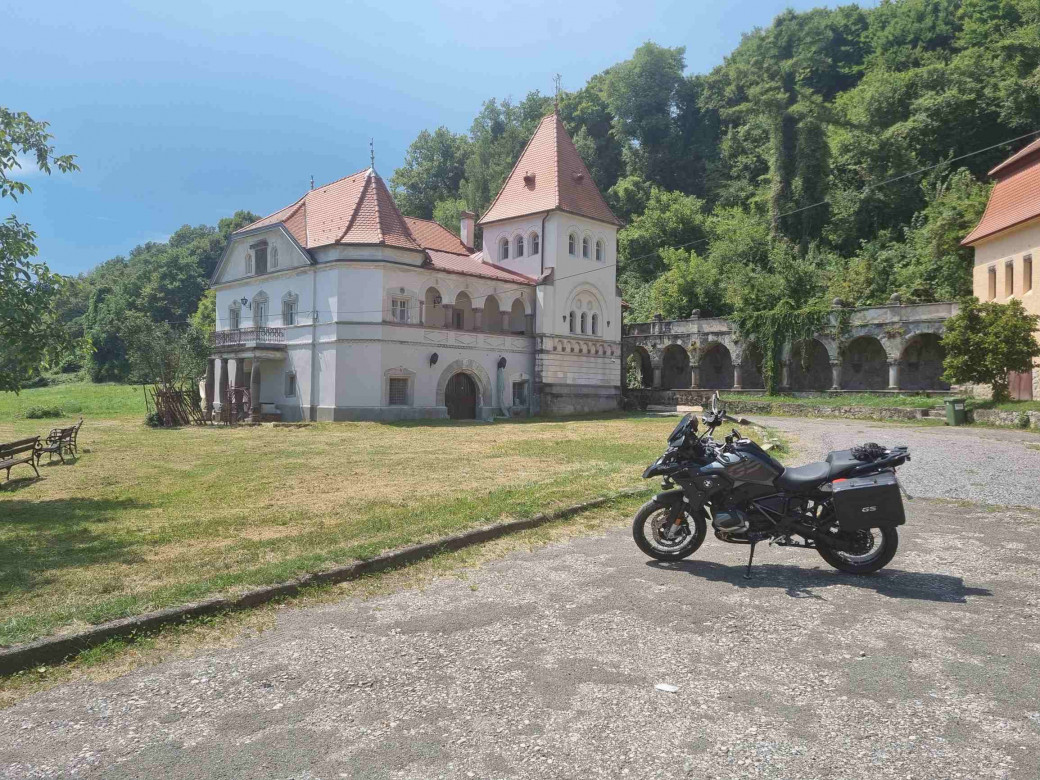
(544, 664)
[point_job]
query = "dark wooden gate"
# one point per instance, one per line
(461, 397)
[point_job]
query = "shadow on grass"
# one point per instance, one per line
(799, 582)
(37, 537)
(599, 416)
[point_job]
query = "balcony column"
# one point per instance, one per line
(447, 315)
(254, 391)
(893, 375)
(505, 321)
(529, 324)
(478, 319)
(223, 385)
(208, 408)
(736, 376)
(835, 375)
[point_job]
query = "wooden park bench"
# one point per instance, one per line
(58, 442)
(21, 451)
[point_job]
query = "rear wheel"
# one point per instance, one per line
(652, 532)
(870, 549)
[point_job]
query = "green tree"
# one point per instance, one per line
(986, 341)
(30, 333)
(670, 220)
(433, 169)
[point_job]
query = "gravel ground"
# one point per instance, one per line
(989, 465)
(544, 664)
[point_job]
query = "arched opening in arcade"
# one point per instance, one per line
(810, 366)
(921, 364)
(864, 365)
(716, 367)
(751, 376)
(675, 368)
(639, 369)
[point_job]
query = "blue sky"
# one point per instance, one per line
(185, 112)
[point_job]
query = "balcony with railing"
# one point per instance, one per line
(265, 337)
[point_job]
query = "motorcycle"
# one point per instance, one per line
(846, 507)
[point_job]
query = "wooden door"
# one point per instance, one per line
(461, 397)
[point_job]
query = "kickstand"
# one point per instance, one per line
(747, 574)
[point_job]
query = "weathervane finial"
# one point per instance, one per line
(372, 152)
(556, 100)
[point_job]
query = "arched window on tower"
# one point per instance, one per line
(503, 249)
(585, 247)
(572, 322)
(584, 322)
(595, 324)
(599, 250)
(534, 243)
(519, 246)
(572, 244)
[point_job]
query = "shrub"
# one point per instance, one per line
(40, 412)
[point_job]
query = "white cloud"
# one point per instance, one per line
(25, 168)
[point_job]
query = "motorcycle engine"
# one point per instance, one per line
(731, 521)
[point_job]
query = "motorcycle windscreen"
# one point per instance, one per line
(868, 502)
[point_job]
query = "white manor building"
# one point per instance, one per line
(338, 307)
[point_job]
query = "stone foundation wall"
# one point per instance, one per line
(559, 399)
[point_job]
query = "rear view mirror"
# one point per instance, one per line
(693, 424)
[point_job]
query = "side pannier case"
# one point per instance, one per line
(868, 502)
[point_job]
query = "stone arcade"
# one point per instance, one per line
(338, 307)
(892, 347)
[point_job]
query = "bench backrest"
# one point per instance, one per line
(15, 447)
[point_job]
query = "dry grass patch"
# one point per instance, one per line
(152, 518)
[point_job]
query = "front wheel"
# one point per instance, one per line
(650, 531)
(871, 549)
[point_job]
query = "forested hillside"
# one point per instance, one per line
(790, 172)
(162, 281)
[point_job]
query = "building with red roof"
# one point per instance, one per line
(1006, 241)
(339, 307)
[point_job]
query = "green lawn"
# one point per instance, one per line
(75, 400)
(151, 518)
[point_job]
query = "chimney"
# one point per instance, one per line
(467, 227)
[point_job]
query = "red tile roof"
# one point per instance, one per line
(549, 175)
(472, 265)
(1015, 197)
(357, 209)
(433, 235)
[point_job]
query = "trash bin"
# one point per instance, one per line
(955, 413)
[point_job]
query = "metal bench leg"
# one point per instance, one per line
(34, 469)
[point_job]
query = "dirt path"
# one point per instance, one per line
(544, 664)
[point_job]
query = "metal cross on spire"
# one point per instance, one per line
(372, 152)
(556, 100)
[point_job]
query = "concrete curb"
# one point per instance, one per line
(60, 648)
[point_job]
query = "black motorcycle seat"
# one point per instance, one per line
(841, 461)
(804, 477)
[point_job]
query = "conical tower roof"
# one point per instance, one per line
(550, 174)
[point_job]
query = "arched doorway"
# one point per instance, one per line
(864, 365)
(922, 364)
(810, 366)
(751, 368)
(716, 367)
(675, 368)
(460, 396)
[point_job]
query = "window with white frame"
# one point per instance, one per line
(520, 393)
(503, 249)
(399, 309)
(397, 391)
(290, 384)
(260, 311)
(585, 247)
(289, 309)
(599, 250)
(273, 257)
(534, 243)
(519, 246)
(235, 317)
(572, 322)
(249, 263)
(572, 244)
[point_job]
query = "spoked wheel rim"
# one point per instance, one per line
(866, 547)
(654, 530)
